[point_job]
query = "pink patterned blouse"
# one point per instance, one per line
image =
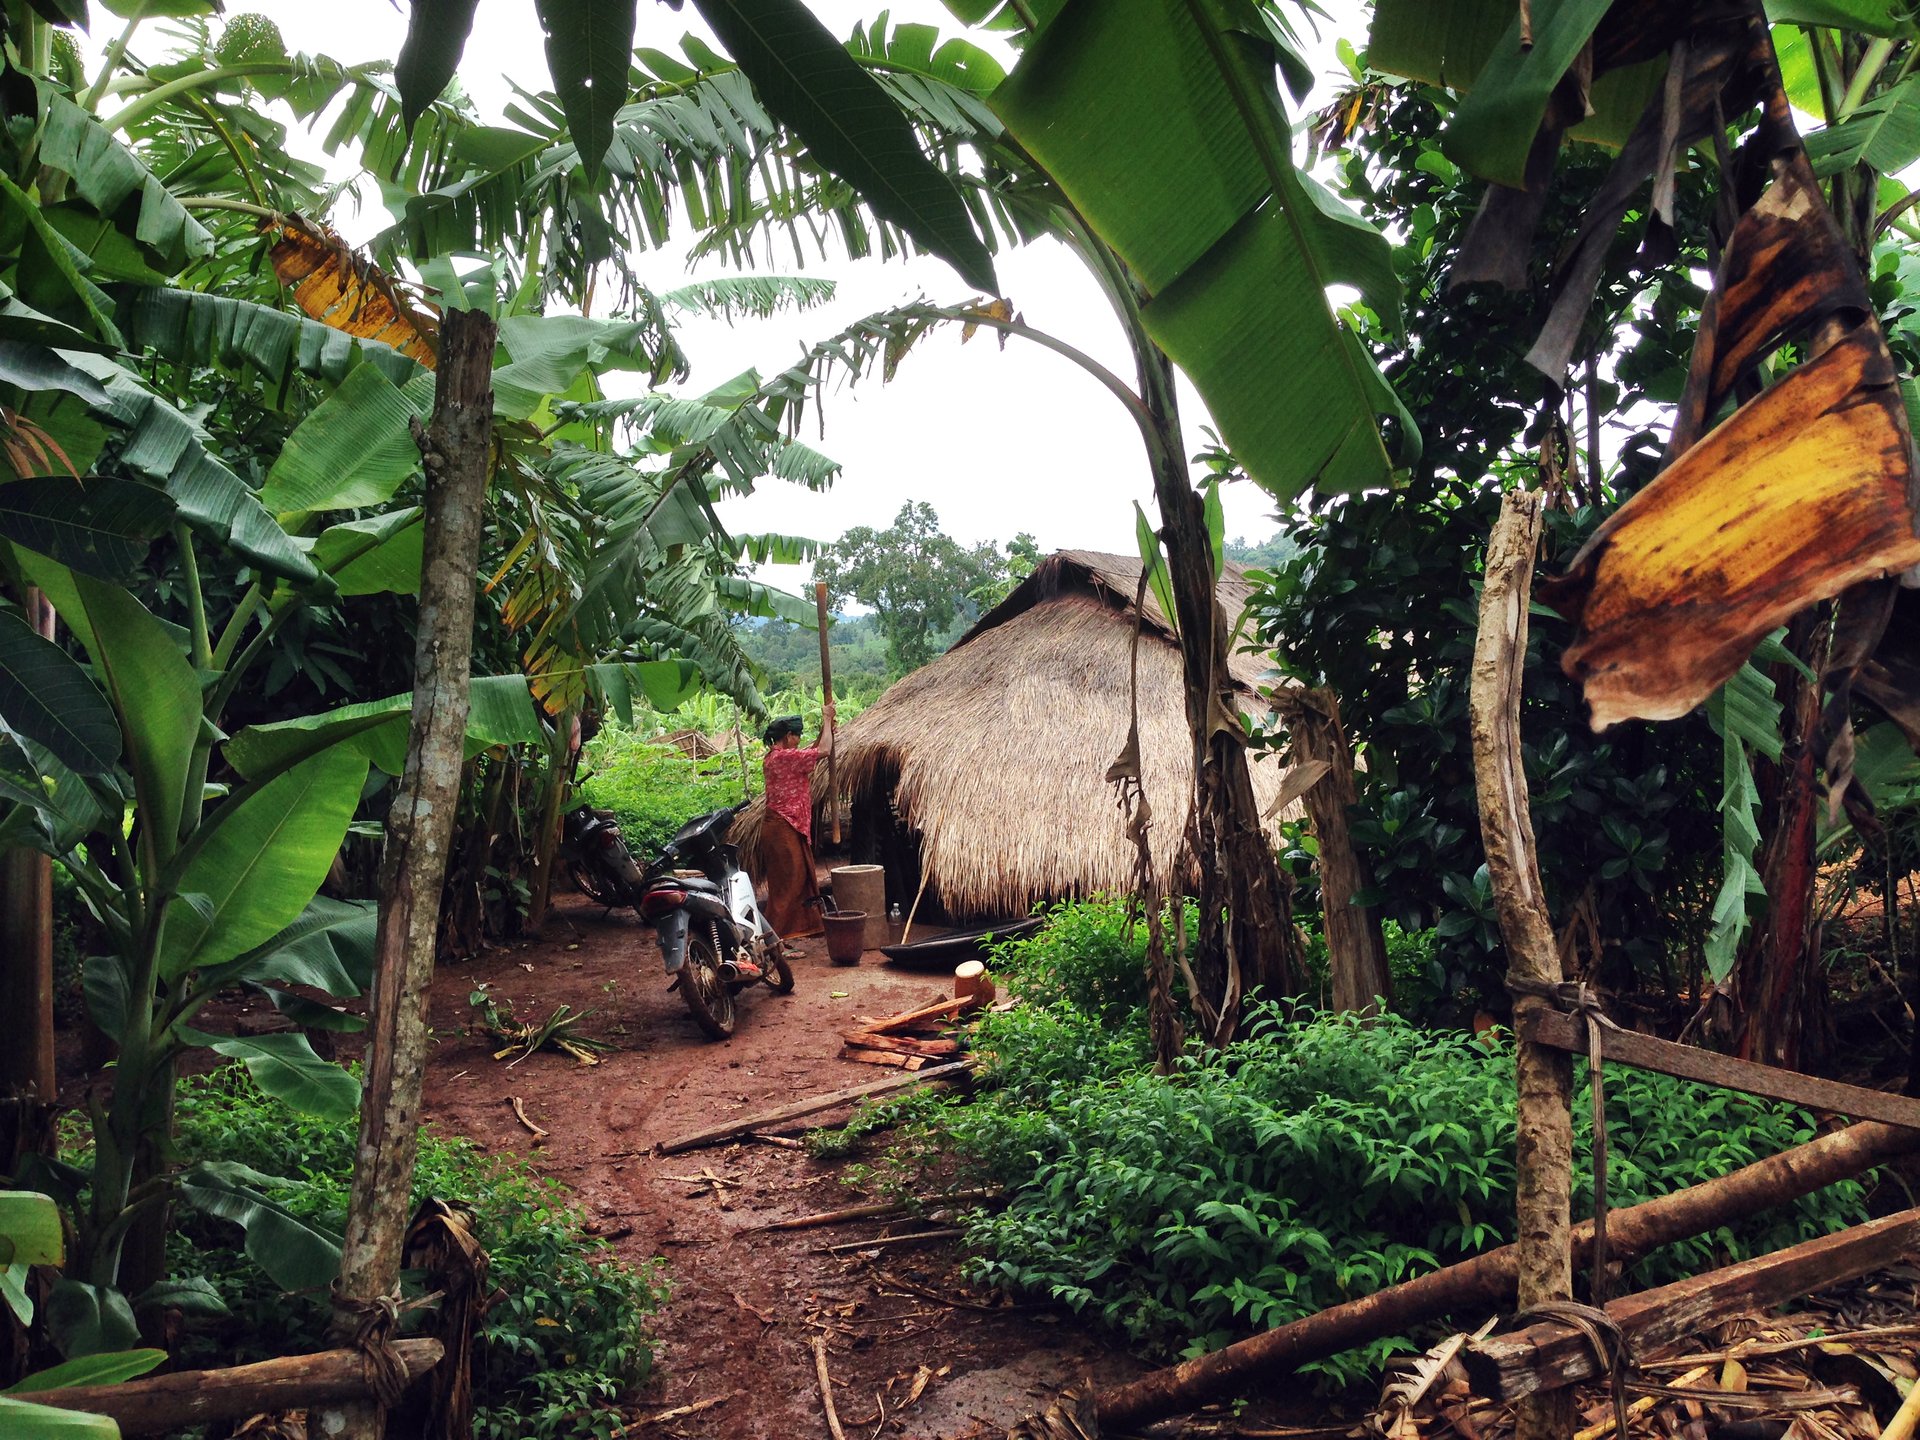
(789, 788)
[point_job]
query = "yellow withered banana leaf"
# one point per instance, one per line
(1799, 494)
(338, 288)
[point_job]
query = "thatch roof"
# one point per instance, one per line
(998, 750)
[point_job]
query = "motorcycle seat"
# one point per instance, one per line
(693, 882)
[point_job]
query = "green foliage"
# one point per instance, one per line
(655, 789)
(915, 578)
(1306, 1164)
(563, 1344)
(1627, 821)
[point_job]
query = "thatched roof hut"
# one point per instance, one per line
(988, 766)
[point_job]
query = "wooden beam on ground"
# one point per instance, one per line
(161, 1403)
(1551, 1354)
(798, 1109)
(1488, 1280)
(1688, 1062)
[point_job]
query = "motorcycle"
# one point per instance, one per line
(700, 903)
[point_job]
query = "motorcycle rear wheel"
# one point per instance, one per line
(596, 888)
(708, 999)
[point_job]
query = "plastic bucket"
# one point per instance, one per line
(846, 936)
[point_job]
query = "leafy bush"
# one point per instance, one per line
(655, 789)
(1309, 1163)
(559, 1348)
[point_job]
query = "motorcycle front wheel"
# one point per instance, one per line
(779, 970)
(708, 999)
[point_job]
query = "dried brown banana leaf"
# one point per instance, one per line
(339, 288)
(1799, 494)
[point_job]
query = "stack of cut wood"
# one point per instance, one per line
(911, 1040)
(1842, 1366)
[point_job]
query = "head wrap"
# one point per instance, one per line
(783, 726)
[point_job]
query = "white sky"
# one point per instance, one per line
(998, 442)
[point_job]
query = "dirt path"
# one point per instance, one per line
(746, 1304)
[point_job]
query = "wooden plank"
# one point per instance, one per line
(1551, 1354)
(160, 1403)
(1687, 1062)
(798, 1109)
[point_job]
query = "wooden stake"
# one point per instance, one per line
(1544, 1122)
(826, 1386)
(925, 875)
(456, 452)
(156, 1404)
(826, 707)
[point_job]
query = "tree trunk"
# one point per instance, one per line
(28, 1083)
(1356, 950)
(1246, 937)
(456, 452)
(1780, 992)
(1544, 1122)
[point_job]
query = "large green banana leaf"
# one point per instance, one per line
(197, 328)
(152, 688)
(46, 697)
(850, 124)
(100, 527)
(1162, 124)
(167, 448)
(295, 1253)
(375, 556)
(114, 181)
(259, 859)
(501, 713)
(354, 450)
(286, 1067)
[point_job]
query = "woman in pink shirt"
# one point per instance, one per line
(786, 847)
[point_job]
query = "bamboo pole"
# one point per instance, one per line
(826, 705)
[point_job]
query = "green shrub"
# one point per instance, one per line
(655, 789)
(1309, 1163)
(564, 1342)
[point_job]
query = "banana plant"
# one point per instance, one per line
(31, 1234)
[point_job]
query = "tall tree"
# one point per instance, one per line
(916, 578)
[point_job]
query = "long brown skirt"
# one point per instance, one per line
(793, 905)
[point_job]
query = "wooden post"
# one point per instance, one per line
(1543, 1130)
(826, 708)
(1490, 1279)
(1356, 950)
(457, 452)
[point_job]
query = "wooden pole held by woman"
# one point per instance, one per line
(826, 708)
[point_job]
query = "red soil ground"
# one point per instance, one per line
(746, 1305)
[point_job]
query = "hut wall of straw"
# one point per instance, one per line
(998, 750)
